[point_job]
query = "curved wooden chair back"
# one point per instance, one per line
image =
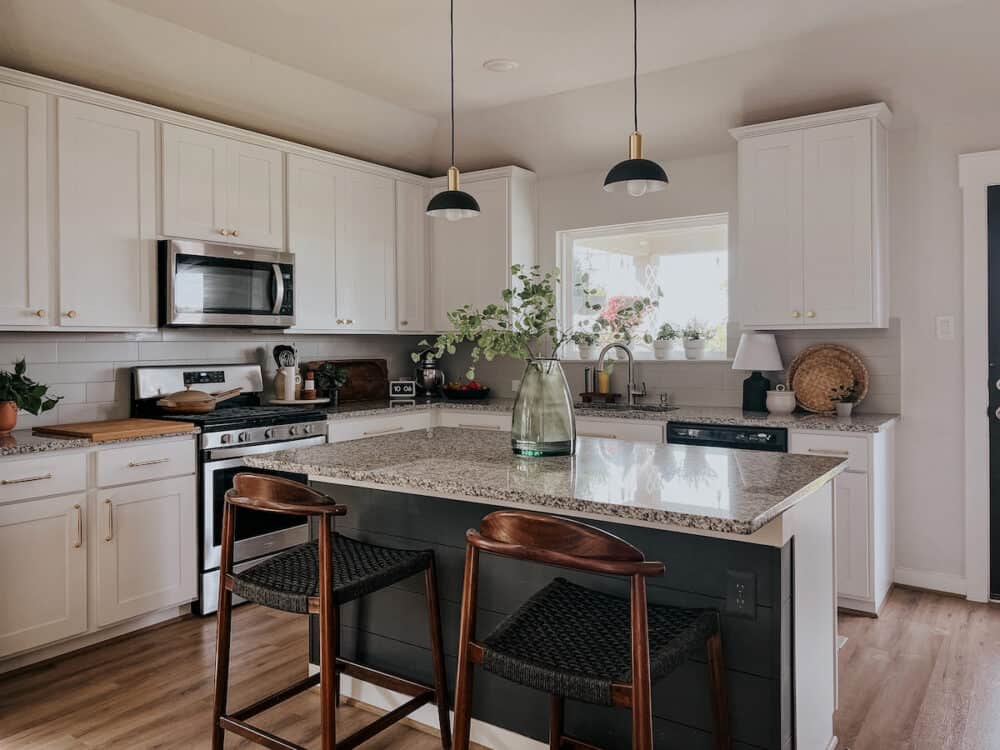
(279, 495)
(559, 541)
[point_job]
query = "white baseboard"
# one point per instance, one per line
(947, 583)
(483, 734)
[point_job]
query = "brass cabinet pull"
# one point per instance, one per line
(71, 314)
(594, 435)
(150, 462)
(111, 521)
(383, 432)
(39, 478)
(235, 232)
(41, 313)
(79, 527)
(480, 426)
(811, 314)
(828, 452)
(796, 314)
(224, 232)
(404, 322)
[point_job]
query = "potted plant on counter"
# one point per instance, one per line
(19, 392)
(696, 335)
(523, 325)
(844, 397)
(586, 344)
(623, 315)
(665, 338)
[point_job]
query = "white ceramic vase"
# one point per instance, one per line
(844, 408)
(587, 351)
(661, 348)
(694, 348)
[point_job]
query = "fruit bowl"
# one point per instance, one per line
(471, 391)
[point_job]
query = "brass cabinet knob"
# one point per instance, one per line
(349, 322)
(796, 314)
(404, 322)
(224, 232)
(41, 313)
(810, 314)
(235, 232)
(340, 322)
(71, 314)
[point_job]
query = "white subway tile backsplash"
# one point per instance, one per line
(73, 372)
(30, 351)
(86, 351)
(92, 412)
(72, 393)
(101, 392)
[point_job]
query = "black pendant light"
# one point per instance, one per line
(635, 175)
(452, 204)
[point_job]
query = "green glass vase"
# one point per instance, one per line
(544, 423)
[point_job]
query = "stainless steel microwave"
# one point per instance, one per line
(202, 284)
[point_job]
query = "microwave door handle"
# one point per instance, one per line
(279, 289)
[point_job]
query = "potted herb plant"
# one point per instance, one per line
(696, 334)
(623, 315)
(844, 397)
(19, 392)
(586, 343)
(523, 325)
(665, 338)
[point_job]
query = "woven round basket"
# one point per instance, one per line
(819, 368)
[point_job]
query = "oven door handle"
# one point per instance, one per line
(279, 289)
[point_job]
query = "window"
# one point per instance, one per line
(682, 263)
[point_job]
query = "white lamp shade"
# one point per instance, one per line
(757, 351)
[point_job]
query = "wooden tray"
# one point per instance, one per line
(820, 367)
(116, 429)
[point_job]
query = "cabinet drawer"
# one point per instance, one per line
(145, 461)
(474, 420)
(365, 427)
(39, 477)
(854, 449)
(648, 432)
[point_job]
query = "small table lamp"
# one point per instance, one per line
(757, 352)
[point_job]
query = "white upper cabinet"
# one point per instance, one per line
(107, 217)
(411, 257)
(221, 190)
(470, 259)
(24, 248)
(813, 204)
(341, 227)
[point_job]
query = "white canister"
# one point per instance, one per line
(780, 400)
(288, 382)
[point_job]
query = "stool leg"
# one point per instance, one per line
(467, 630)
(720, 694)
(557, 706)
(327, 638)
(437, 654)
(224, 629)
(642, 698)
(336, 655)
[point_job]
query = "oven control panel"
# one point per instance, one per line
(202, 377)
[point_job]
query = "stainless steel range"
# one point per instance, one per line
(236, 428)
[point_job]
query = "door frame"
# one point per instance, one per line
(977, 171)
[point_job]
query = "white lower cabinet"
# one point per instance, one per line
(365, 427)
(43, 572)
(853, 535)
(143, 536)
(472, 420)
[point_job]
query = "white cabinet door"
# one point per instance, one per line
(144, 542)
(43, 572)
(254, 210)
(853, 536)
(470, 258)
(312, 236)
(107, 217)
(621, 429)
(411, 257)
(221, 190)
(365, 252)
(194, 184)
(837, 235)
(769, 256)
(24, 242)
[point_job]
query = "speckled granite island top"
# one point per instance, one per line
(721, 415)
(712, 489)
(22, 442)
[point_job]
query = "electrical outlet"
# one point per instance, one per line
(515, 385)
(945, 325)
(741, 594)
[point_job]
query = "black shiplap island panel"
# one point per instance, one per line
(388, 630)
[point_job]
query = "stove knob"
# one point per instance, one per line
(226, 439)
(269, 433)
(307, 429)
(244, 437)
(293, 431)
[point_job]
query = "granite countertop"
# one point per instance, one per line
(23, 442)
(713, 489)
(724, 415)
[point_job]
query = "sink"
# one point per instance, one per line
(625, 407)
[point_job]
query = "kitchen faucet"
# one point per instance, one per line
(631, 392)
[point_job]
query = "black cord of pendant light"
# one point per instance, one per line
(451, 19)
(635, 67)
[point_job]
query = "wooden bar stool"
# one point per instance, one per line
(576, 643)
(316, 578)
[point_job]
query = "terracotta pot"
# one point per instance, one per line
(8, 417)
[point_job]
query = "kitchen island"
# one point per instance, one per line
(749, 533)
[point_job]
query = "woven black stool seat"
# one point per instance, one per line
(287, 581)
(571, 641)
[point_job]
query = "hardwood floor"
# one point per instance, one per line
(924, 676)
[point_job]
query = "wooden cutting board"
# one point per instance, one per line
(116, 429)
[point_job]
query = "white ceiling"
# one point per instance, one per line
(396, 50)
